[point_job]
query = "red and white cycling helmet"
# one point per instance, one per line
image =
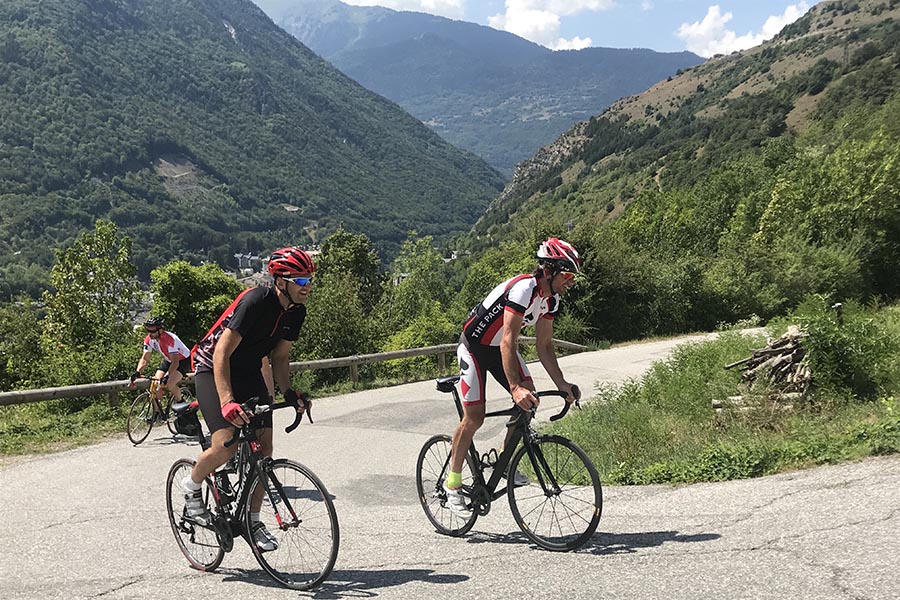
(562, 255)
(291, 262)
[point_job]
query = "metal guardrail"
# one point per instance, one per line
(112, 388)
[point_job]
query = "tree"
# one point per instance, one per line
(191, 298)
(420, 280)
(20, 344)
(95, 292)
(344, 252)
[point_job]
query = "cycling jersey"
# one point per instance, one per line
(258, 316)
(167, 343)
(520, 295)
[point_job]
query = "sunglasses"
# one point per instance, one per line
(157, 330)
(301, 281)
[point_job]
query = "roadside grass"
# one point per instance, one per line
(664, 429)
(54, 426)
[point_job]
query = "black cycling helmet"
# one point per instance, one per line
(155, 322)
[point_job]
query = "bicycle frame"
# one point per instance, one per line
(259, 464)
(520, 421)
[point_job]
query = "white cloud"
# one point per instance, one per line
(646, 5)
(539, 20)
(711, 36)
(453, 9)
(576, 43)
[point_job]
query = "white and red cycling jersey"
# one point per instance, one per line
(520, 295)
(167, 344)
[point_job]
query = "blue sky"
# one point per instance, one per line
(700, 26)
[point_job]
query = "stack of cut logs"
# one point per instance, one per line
(780, 365)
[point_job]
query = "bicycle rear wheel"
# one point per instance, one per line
(199, 545)
(186, 396)
(432, 467)
(140, 419)
(560, 507)
(303, 522)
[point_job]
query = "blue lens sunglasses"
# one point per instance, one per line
(301, 281)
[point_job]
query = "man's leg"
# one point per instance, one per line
(172, 385)
(216, 455)
(160, 390)
(473, 419)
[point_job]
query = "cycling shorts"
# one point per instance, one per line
(183, 365)
(475, 362)
(244, 387)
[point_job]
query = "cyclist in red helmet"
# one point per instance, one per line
(489, 344)
(259, 327)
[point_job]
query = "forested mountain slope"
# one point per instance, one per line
(735, 189)
(488, 91)
(202, 129)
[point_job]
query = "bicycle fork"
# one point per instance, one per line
(277, 497)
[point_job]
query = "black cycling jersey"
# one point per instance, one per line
(258, 316)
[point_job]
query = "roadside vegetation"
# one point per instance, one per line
(663, 429)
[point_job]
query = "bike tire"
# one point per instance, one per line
(432, 462)
(140, 418)
(307, 547)
(566, 518)
(199, 545)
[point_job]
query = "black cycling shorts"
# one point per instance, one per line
(243, 386)
(183, 365)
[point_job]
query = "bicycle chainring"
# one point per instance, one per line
(224, 535)
(481, 500)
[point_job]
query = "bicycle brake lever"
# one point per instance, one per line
(307, 402)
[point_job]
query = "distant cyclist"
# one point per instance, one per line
(174, 365)
(490, 344)
(229, 364)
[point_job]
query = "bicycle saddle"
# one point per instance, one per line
(446, 384)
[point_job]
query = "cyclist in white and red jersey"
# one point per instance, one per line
(490, 340)
(257, 329)
(173, 366)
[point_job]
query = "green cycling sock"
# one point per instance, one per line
(454, 480)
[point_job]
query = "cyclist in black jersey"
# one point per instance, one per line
(489, 344)
(261, 324)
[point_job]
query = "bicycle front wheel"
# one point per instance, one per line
(299, 515)
(560, 507)
(432, 468)
(140, 419)
(198, 544)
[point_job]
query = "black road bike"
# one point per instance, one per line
(558, 508)
(296, 508)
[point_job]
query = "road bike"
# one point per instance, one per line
(296, 508)
(142, 415)
(557, 502)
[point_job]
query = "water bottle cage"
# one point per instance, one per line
(489, 458)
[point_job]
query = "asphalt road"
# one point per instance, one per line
(91, 522)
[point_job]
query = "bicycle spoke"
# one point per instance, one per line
(306, 547)
(560, 508)
(431, 470)
(198, 544)
(139, 422)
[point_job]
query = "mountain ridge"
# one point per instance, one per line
(94, 92)
(790, 70)
(488, 91)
